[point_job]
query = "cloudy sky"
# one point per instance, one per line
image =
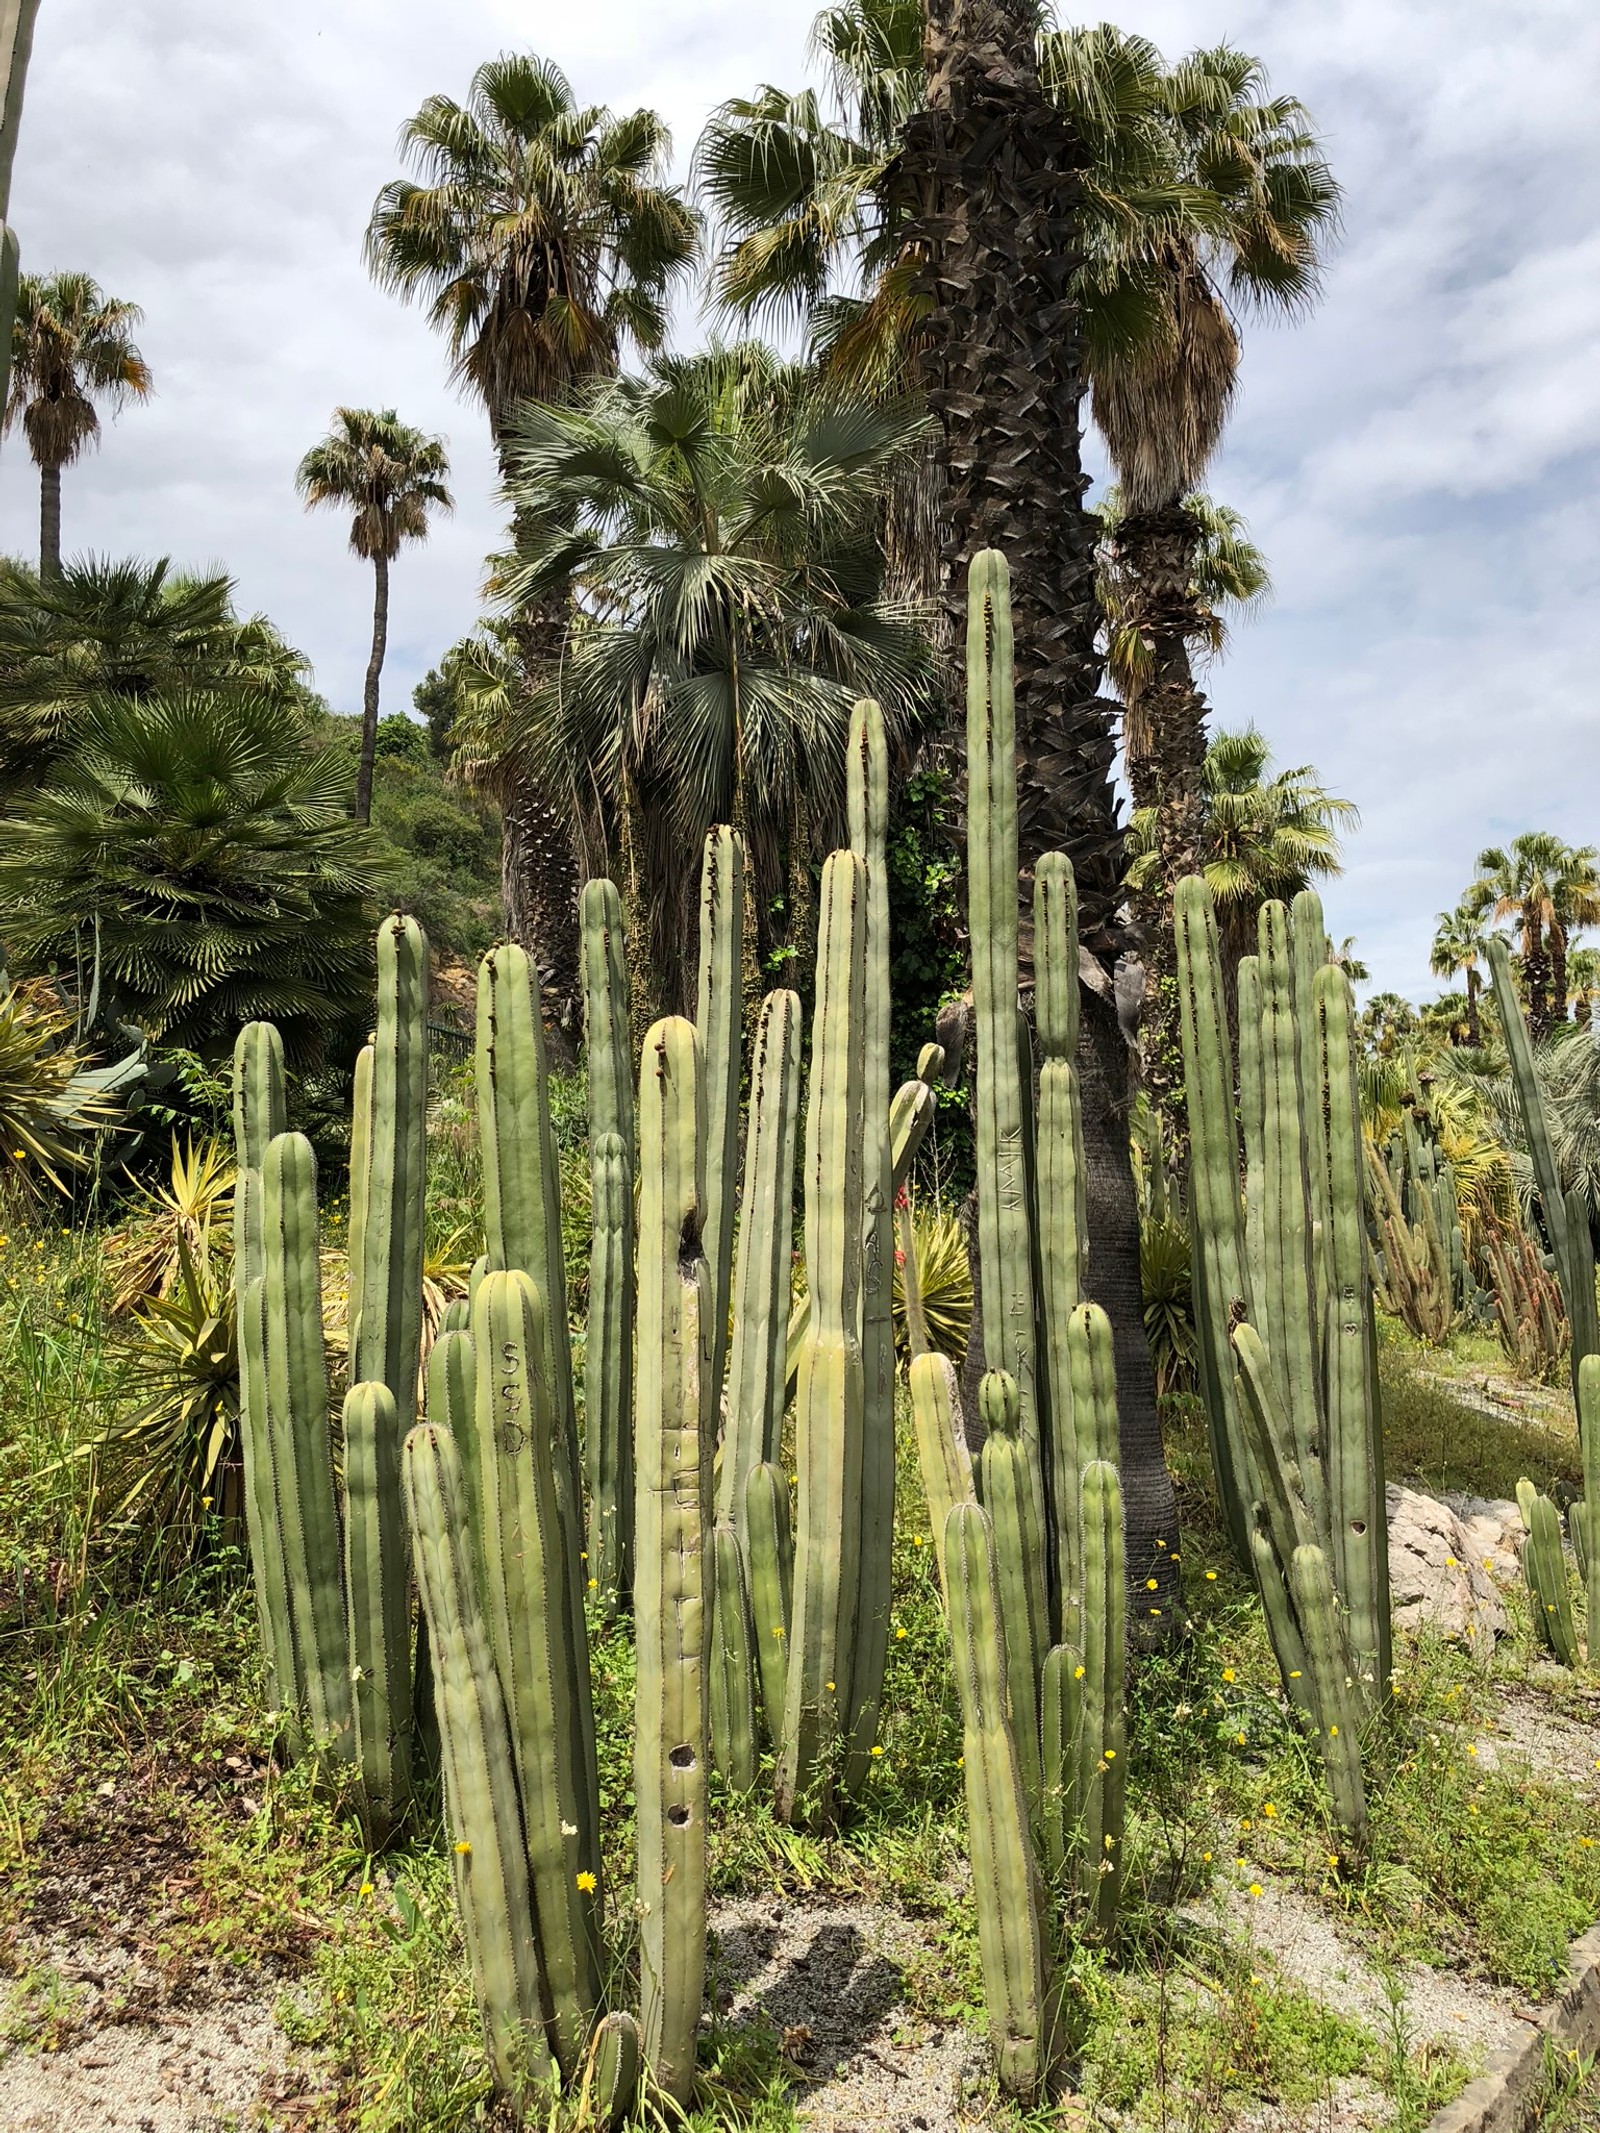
(1419, 460)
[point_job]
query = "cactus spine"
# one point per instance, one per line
(717, 1017)
(488, 1857)
(295, 1373)
(1006, 1887)
(828, 1405)
(540, 1647)
(673, 1425)
(761, 1283)
(378, 1605)
(1005, 1215)
(389, 1149)
(868, 788)
(608, 1345)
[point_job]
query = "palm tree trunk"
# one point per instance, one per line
(369, 698)
(1558, 971)
(1536, 977)
(49, 521)
(1155, 558)
(1474, 1025)
(992, 172)
(539, 888)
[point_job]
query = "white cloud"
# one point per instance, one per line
(1419, 458)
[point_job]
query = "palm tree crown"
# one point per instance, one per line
(716, 517)
(71, 344)
(1549, 888)
(541, 237)
(1461, 947)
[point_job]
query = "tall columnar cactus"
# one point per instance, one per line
(1017, 1520)
(540, 1647)
(1102, 1732)
(258, 1116)
(1006, 1886)
(1221, 1282)
(1584, 1517)
(386, 1249)
(717, 1018)
(378, 1606)
(761, 1279)
(828, 1404)
(294, 1370)
(868, 789)
(1565, 1221)
(1005, 1213)
(16, 45)
(522, 1185)
(942, 1452)
(1062, 1187)
(770, 1553)
(608, 1345)
(488, 1856)
(452, 1402)
(1544, 1565)
(673, 1456)
(1091, 1364)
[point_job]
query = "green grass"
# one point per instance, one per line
(112, 1678)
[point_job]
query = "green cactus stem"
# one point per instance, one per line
(378, 1605)
(487, 1858)
(1221, 1283)
(770, 1553)
(828, 1403)
(718, 1020)
(673, 1423)
(1061, 1729)
(1062, 1185)
(295, 1374)
(1544, 1565)
(540, 1649)
(756, 1366)
(608, 1344)
(733, 1684)
(1017, 1521)
(16, 45)
(387, 1250)
(1102, 1731)
(868, 792)
(1006, 1886)
(258, 1116)
(1091, 1362)
(1581, 1516)
(1005, 1212)
(611, 2076)
(942, 1453)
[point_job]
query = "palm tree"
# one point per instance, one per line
(70, 344)
(1549, 888)
(131, 629)
(1264, 837)
(716, 517)
(1461, 948)
(206, 859)
(544, 243)
(389, 476)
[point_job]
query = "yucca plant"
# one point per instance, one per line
(943, 1275)
(50, 1099)
(146, 1253)
(1166, 1281)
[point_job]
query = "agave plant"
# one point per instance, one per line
(938, 1260)
(147, 1254)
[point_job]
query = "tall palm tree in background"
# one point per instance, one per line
(716, 519)
(544, 242)
(990, 177)
(71, 344)
(1461, 949)
(1264, 837)
(389, 476)
(1548, 888)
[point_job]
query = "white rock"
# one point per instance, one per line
(1437, 1577)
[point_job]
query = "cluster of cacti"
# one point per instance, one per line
(1419, 1261)
(1530, 1319)
(1288, 1364)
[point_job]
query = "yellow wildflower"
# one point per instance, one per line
(585, 1882)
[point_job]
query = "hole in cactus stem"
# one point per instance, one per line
(1358, 1525)
(682, 1757)
(678, 1816)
